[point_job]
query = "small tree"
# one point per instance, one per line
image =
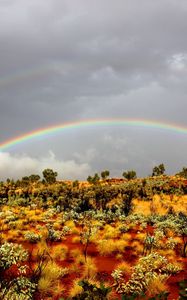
(49, 175)
(129, 174)
(87, 232)
(105, 174)
(127, 205)
(158, 170)
(34, 178)
(93, 179)
(25, 180)
(89, 179)
(183, 173)
(75, 183)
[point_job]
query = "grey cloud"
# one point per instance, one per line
(65, 60)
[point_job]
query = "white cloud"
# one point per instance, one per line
(178, 62)
(17, 166)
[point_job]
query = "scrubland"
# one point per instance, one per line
(110, 240)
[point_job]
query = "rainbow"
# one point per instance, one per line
(42, 132)
(24, 75)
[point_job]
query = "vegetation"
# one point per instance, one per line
(99, 239)
(129, 174)
(158, 170)
(183, 173)
(93, 179)
(49, 176)
(105, 174)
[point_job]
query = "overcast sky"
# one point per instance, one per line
(69, 60)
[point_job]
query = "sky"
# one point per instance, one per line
(71, 60)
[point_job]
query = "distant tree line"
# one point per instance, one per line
(50, 176)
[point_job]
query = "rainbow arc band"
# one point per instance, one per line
(47, 131)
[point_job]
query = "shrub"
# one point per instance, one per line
(149, 268)
(53, 235)
(183, 289)
(16, 286)
(75, 289)
(92, 291)
(33, 237)
(20, 289)
(11, 254)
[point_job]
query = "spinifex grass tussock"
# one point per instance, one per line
(50, 277)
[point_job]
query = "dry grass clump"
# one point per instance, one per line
(113, 202)
(13, 236)
(110, 232)
(50, 278)
(5, 208)
(120, 245)
(107, 247)
(19, 224)
(124, 267)
(59, 252)
(34, 219)
(141, 207)
(160, 205)
(80, 259)
(75, 253)
(37, 212)
(75, 230)
(119, 256)
(156, 206)
(168, 253)
(40, 249)
(177, 203)
(75, 289)
(180, 204)
(76, 269)
(57, 226)
(94, 238)
(156, 286)
(54, 271)
(47, 290)
(137, 247)
(89, 269)
(5, 227)
(70, 224)
(126, 237)
(141, 237)
(97, 223)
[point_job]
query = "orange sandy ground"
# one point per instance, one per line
(107, 264)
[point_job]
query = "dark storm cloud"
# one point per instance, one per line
(70, 60)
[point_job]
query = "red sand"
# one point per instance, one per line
(105, 264)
